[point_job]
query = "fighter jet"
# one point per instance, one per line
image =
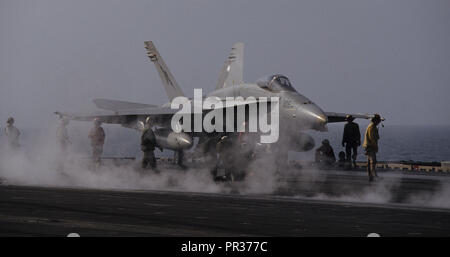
(297, 113)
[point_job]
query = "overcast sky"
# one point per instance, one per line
(391, 57)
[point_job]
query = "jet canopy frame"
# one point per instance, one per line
(276, 83)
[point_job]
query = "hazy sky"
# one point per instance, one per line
(391, 57)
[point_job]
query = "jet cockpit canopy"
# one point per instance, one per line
(275, 83)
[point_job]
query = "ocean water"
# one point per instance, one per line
(397, 143)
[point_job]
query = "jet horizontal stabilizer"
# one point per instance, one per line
(341, 117)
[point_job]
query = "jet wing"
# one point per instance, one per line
(114, 105)
(340, 117)
(159, 115)
(122, 117)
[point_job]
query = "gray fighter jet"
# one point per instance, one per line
(297, 113)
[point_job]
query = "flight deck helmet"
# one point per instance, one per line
(10, 121)
(349, 118)
(97, 122)
(376, 118)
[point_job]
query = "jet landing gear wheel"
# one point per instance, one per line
(220, 174)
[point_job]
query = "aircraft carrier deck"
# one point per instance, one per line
(333, 203)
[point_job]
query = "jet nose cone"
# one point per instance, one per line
(315, 117)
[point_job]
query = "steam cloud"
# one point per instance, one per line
(38, 165)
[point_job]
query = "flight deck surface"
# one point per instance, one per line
(332, 203)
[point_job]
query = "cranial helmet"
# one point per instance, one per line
(10, 120)
(97, 121)
(376, 118)
(349, 118)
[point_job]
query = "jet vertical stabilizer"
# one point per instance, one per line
(170, 84)
(232, 70)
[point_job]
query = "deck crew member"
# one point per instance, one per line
(148, 144)
(225, 162)
(351, 140)
(62, 136)
(370, 145)
(325, 154)
(63, 141)
(97, 137)
(12, 134)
